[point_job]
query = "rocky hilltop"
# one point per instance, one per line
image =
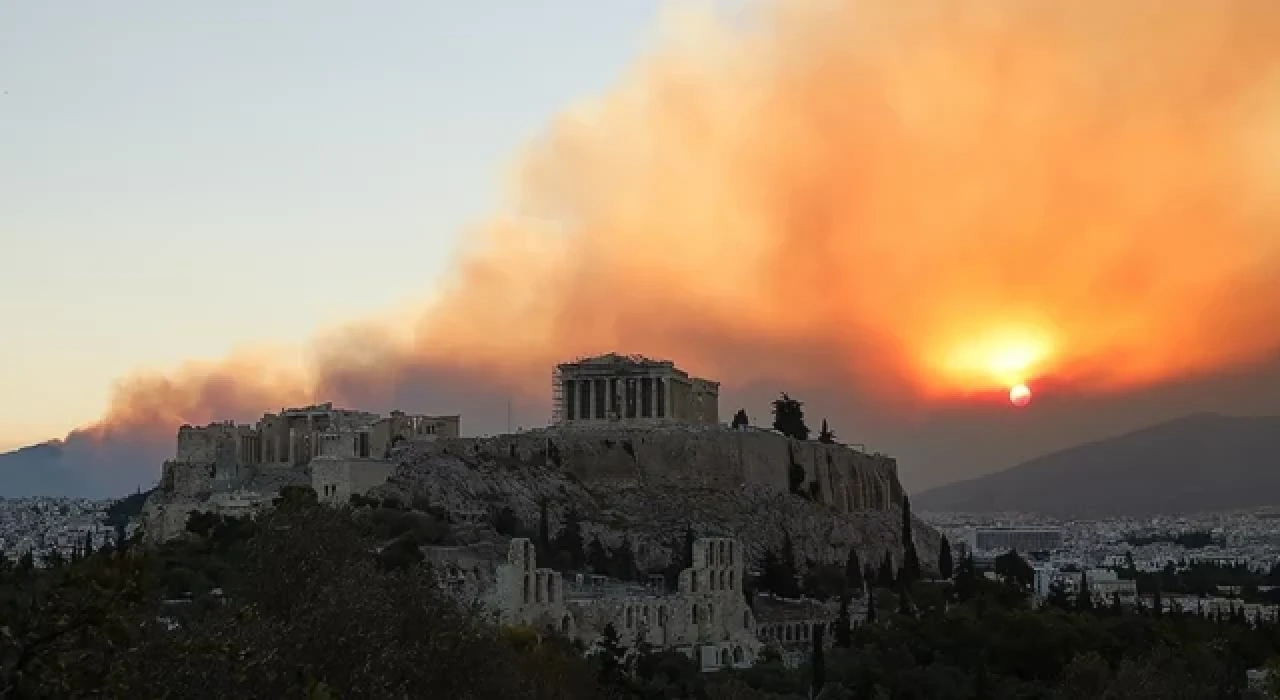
(651, 483)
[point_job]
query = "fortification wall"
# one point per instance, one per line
(837, 475)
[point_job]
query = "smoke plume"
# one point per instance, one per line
(921, 202)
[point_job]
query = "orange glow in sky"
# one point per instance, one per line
(929, 199)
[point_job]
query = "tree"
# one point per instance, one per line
(966, 579)
(910, 561)
(1157, 603)
(844, 635)
(609, 656)
(1058, 596)
(853, 573)
(871, 607)
(778, 573)
(88, 544)
(544, 530)
(788, 418)
(946, 567)
(818, 662)
(569, 540)
(825, 436)
(506, 522)
(1084, 597)
(1014, 570)
(597, 557)
(885, 577)
(740, 419)
(622, 561)
(689, 539)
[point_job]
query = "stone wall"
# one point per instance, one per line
(335, 479)
(836, 475)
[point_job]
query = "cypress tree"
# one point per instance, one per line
(885, 578)
(871, 607)
(844, 636)
(819, 662)
(946, 566)
(544, 530)
(1084, 599)
(853, 573)
(1157, 603)
(910, 561)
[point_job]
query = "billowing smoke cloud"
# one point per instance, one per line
(916, 201)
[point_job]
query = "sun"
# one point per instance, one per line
(1020, 395)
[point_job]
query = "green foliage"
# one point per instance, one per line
(127, 509)
(788, 418)
(740, 419)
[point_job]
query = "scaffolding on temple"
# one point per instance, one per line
(557, 396)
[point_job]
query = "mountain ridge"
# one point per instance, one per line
(1197, 462)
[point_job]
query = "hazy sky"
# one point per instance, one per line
(180, 178)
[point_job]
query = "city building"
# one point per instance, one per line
(1019, 539)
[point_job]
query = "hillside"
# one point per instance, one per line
(649, 485)
(1196, 463)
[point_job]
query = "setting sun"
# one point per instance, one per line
(1020, 395)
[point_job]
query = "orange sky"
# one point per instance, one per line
(923, 200)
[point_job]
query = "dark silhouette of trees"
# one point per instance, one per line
(569, 540)
(946, 567)
(778, 571)
(853, 573)
(885, 578)
(910, 560)
(818, 662)
(1015, 570)
(825, 435)
(788, 418)
(740, 419)
(843, 632)
(1084, 597)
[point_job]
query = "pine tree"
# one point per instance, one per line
(844, 636)
(871, 607)
(853, 573)
(740, 419)
(788, 418)
(946, 567)
(825, 435)
(88, 544)
(904, 602)
(1157, 603)
(819, 663)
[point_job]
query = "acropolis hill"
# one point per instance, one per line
(635, 446)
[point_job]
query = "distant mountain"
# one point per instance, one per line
(82, 467)
(1198, 463)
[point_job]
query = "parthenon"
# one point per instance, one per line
(633, 389)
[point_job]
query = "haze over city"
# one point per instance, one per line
(895, 212)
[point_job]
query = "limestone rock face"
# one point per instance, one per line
(651, 484)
